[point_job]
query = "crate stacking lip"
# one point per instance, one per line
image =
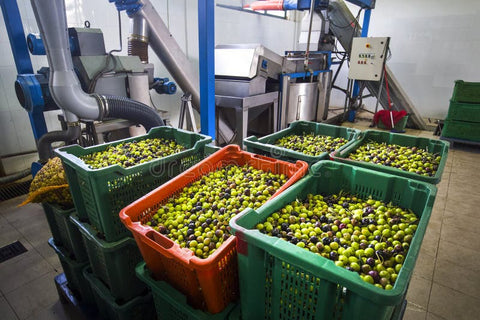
(279, 280)
(431, 145)
(171, 304)
(100, 194)
(266, 146)
(210, 284)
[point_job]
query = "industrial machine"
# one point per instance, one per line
(247, 88)
(331, 20)
(90, 85)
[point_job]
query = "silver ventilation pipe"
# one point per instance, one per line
(65, 87)
(138, 39)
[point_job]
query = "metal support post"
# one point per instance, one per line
(356, 87)
(206, 37)
(187, 109)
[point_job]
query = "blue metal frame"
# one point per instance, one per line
(206, 40)
(356, 87)
(16, 35)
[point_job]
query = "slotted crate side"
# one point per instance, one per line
(275, 276)
(431, 145)
(468, 92)
(266, 145)
(138, 308)
(113, 262)
(74, 273)
(64, 232)
(461, 130)
(99, 194)
(468, 112)
(170, 304)
(209, 284)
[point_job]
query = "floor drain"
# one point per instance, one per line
(12, 250)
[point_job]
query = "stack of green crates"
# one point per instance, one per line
(463, 119)
(67, 244)
(99, 195)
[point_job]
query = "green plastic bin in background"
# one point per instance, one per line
(74, 273)
(469, 112)
(279, 280)
(64, 232)
(461, 130)
(468, 92)
(171, 304)
(431, 145)
(265, 145)
(113, 262)
(100, 194)
(138, 308)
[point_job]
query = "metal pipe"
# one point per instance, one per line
(307, 53)
(169, 52)
(138, 39)
(64, 85)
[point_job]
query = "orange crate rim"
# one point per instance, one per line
(150, 240)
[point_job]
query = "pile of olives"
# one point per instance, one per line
(197, 217)
(132, 153)
(310, 144)
(411, 159)
(369, 236)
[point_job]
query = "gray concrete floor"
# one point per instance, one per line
(445, 282)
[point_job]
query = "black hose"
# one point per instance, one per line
(124, 108)
(45, 142)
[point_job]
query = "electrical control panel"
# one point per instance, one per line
(367, 58)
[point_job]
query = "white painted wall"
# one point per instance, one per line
(181, 18)
(433, 43)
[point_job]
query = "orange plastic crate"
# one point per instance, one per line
(209, 284)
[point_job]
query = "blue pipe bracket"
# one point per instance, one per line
(21, 56)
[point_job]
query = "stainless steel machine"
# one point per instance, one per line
(247, 84)
(305, 94)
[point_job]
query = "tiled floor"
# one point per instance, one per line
(445, 282)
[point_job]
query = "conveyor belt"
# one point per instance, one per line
(343, 25)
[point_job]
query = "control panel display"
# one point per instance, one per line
(367, 57)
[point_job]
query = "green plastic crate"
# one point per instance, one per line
(461, 130)
(74, 273)
(459, 111)
(100, 194)
(279, 280)
(468, 92)
(64, 232)
(431, 145)
(113, 262)
(138, 308)
(265, 145)
(172, 304)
